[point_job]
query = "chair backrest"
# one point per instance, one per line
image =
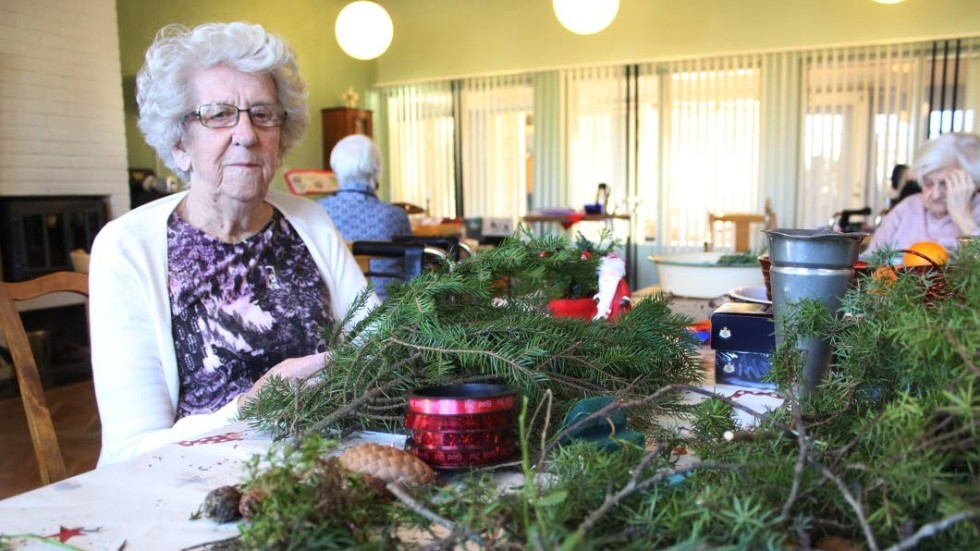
(411, 256)
(455, 249)
(853, 220)
(742, 223)
(438, 230)
(50, 462)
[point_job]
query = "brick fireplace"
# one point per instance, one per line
(63, 171)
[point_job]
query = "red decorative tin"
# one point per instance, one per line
(474, 439)
(476, 421)
(462, 425)
(461, 399)
(465, 458)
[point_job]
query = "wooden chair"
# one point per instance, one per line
(50, 462)
(742, 223)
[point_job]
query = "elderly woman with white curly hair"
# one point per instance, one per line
(197, 299)
(948, 169)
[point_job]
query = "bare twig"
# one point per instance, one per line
(933, 528)
(804, 447)
(546, 399)
(210, 544)
(430, 515)
(858, 510)
(962, 351)
(634, 484)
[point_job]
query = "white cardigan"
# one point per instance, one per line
(133, 359)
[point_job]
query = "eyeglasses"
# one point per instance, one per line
(222, 115)
(929, 184)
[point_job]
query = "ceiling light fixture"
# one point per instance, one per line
(888, 1)
(585, 16)
(363, 30)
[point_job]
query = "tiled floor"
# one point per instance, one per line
(76, 419)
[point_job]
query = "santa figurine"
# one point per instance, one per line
(613, 297)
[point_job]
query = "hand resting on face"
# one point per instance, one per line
(960, 188)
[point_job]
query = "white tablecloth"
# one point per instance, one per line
(147, 502)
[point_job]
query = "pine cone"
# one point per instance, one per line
(388, 464)
(837, 543)
(249, 503)
(221, 504)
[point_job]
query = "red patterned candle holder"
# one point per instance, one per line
(462, 425)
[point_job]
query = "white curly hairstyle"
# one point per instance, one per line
(355, 159)
(952, 149)
(177, 53)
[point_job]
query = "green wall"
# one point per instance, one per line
(439, 38)
(307, 25)
(450, 38)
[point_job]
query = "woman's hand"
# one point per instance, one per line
(296, 369)
(960, 188)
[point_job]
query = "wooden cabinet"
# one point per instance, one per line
(340, 122)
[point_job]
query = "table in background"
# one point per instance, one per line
(568, 220)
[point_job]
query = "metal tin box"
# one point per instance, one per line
(742, 336)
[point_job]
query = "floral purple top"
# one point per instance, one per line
(240, 309)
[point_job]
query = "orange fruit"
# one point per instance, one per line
(886, 274)
(936, 252)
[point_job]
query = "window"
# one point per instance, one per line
(711, 148)
(496, 130)
(815, 131)
(420, 147)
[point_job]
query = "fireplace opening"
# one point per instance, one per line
(37, 235)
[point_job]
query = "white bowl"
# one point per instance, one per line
(697, 275)
(750, 293)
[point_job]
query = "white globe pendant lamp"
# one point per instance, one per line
(585, 16)
(363, 30)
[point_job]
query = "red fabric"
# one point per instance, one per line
(583, 308)
(571, 219)
(621, 300)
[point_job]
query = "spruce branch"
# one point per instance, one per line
(351, 407)
(518, 368)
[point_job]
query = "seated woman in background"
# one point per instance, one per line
(198, 298)
(948, 169)
(355, 209)
(902, 184)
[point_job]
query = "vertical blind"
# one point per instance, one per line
(814, 131)
(420, 168)
(495, 127)
(711, 146)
